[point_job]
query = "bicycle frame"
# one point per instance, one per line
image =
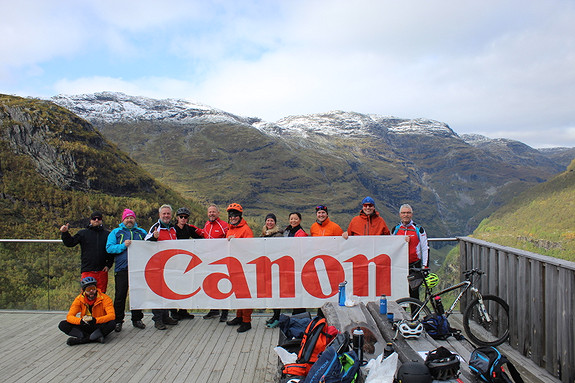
(463, 285)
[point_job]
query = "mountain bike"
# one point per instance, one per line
(485, 319)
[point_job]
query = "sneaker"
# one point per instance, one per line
(271, 320)
(139, 324)
(160, 325)
(224, 316)
(212, 314)
(273, 324)
(245, 326)
(72, 341)
(234, 322)
(118, 327)
(170, 321)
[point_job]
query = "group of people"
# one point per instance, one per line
(92, 315)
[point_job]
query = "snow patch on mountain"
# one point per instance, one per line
(113, 107)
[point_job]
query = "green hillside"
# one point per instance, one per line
(56, 168)
(540, 220)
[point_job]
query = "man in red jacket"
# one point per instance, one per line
(161, 231)
(215, 228)
(91, 315)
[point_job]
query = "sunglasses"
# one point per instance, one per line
(183, 217)
(367, 205)
(97, 219)
(90, 288)
(320, 207)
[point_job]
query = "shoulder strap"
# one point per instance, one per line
(514, 373)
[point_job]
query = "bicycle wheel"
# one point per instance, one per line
(483, 332)
(415, 306)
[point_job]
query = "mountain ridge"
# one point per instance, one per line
(333, 158)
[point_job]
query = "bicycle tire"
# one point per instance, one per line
(483, 333)
(412, 305)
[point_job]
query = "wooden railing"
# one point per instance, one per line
(540, 291)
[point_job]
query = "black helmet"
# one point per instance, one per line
(183, 211)
(442, 364)
(413, 372)
(87, 282)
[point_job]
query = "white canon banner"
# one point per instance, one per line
(265, 272)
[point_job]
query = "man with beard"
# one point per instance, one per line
(91, 315)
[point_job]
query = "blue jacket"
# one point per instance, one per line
(115, 244)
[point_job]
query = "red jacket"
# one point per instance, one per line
(167, 232)
(368, 225)
(102, 310)
(326, 229)
(215, 229)
(241, 230)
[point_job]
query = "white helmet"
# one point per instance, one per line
(410, 329)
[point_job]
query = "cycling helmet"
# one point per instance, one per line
(442, 364)
(413, 372)
(432, 280)
(183, 211)
(410, 329)
(235, 206)
(87, 282)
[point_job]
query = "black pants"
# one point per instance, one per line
(121, 278)
(414, 293)
(84, 331)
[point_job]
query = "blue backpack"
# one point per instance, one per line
(332, 367)
(437, 326)
(487, 364)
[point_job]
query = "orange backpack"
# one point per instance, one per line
(315, 339)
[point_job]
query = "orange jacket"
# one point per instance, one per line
(326, 229)
(241, 230)
(368, 225)
(103, 309)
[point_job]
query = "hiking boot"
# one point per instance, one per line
(234, 322)
(139, 324)
(273, 324)
(118, 327)
(170, 321)
(183, 314)
(72, 341)
(160, 325)
(212, 314)
(245, 326)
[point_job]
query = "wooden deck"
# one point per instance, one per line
(197, 350)
(33, 349)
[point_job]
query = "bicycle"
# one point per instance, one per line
(485, 319)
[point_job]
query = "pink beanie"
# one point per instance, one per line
(128, 213)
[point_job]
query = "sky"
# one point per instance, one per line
(503, 69)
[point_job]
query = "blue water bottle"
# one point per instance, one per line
(383, 305)
(342, 293)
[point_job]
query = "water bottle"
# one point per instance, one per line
(388, 350)
(342, 293)
(438, 305)
(357, 343)
(383, 305)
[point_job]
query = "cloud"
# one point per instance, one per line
(480, 67)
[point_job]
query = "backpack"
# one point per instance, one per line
(437, 326)
(332, 366)
(487, 364)
(315, 339)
